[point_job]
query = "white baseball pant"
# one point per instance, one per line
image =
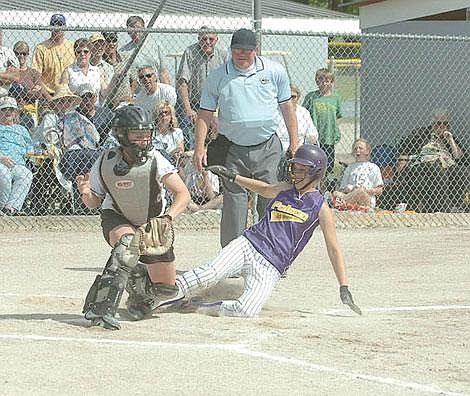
(239, 256)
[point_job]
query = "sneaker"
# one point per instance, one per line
(191, 305)
(107, 321)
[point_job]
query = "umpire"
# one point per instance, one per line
(248, 91)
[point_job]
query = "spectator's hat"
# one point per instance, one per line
(7, 102)
(84, 89)
(57, 20)
(243, 39)
(110, 36)
(63, 92)
(96, 37)
(16, 89)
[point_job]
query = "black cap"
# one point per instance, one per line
(244, 39)
(57, 20)
(110, 36)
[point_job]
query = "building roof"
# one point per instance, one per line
(270, 8)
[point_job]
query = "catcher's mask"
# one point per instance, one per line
(314, 158)
(131, 118)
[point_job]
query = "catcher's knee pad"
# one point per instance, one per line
(122, 256)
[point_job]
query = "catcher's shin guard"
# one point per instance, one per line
(107, 292)
(136, 287)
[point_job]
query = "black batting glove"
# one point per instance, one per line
(223, 172)
(347, 299)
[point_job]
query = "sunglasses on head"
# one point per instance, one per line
(148, 75)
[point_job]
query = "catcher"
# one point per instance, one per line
(268, 248)
(130, 182)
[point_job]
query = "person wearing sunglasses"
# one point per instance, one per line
(8, 61)
(82, 71)
(153, 91)
(438, 168)
(26, 76)
(197, 61)
(151, 52)
(54, 55)
(121, 77)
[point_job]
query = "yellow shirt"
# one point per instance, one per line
(51, 60)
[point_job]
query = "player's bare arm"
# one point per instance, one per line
(262, 188)
(91, 200)
(181, 196)
(328, 227)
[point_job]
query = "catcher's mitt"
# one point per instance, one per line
(155, 237)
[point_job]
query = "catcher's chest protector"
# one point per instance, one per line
(131, 193)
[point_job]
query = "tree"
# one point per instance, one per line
(331, 5)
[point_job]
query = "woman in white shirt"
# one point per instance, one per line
(167, 135)
(307, 131)
(81, 71)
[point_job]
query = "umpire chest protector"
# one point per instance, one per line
(137, 194)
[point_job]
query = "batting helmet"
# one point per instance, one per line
(132, 118)
(313, 157)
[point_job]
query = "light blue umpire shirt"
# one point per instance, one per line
(248, 101)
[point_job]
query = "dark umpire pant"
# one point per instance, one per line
(259, 162)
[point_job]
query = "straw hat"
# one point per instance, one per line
(63, 91)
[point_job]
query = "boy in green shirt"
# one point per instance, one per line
(325, 108)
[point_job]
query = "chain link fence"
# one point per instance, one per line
(403, 93)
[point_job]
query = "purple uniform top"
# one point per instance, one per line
(286, 227)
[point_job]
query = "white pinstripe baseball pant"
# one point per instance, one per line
(239, 256)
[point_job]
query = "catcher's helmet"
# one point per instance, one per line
(133, 118)
(313, 157)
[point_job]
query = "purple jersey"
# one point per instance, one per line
(286, 227)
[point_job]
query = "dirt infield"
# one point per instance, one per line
(413, 339)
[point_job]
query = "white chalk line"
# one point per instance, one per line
(242, 350)
(401, 309)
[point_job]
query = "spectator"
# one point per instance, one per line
(8, 60)
(153, 92)
(324, 106)
(437, 175)
(248, 91)
(167, 135)
(28, 77)
(362, 181)
(121, 77)
(307, 132)
(70, 136)
(20, 94)
(97, 44)
(148, 55)
(204, 187)
(82, 72)
(53, 56)
(197, 61)
(100, 116)
(15, 143)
